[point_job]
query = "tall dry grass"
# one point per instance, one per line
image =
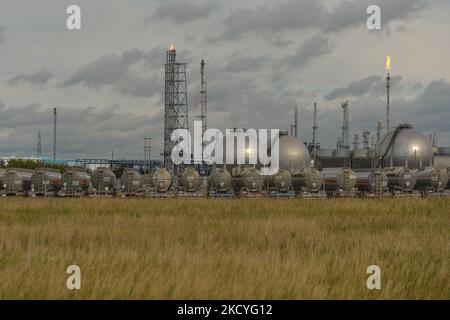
(222, 249)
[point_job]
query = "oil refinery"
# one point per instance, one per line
(401, 162)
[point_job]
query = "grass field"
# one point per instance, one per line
(222, 249)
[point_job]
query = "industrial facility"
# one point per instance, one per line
(396, 161)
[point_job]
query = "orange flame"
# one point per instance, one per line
(388, 63)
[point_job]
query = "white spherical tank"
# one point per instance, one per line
(404, 146)
(293, 154)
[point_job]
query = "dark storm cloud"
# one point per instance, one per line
(312, 48)
(82, 132)
(369, 85)
(271, 20)
(182, 12)
(40, 78)
(130, 73)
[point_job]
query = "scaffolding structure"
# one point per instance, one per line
(176, 103)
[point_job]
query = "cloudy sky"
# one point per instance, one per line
(263, 59)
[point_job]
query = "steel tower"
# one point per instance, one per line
(176, 103)
(203, 99)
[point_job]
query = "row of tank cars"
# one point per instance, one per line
(240, 181)
(295, 178)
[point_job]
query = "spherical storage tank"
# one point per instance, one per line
(293, 154)
(404, 145)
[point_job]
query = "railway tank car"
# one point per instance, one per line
(448, 173)
(76, 182)
(400, 179)
(17, 181)
(162, 180)
(46, 181)
(220, 181)
(131, 182)
(443, 179)
(103, 180)
(280, 182)
(2, 172)
(190, 181)
(247, 180)
(427, 179)
(308, 180)
(147, 181)
(339, 179)
(366, 181)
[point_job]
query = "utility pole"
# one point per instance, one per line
(54, 134)
(345, 127)
(315, 127)
(39, 146)
(147, 154)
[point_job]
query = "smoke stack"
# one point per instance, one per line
(315, 127)
(379, 128)
(356, 142)
(366, 139)
(296, 122)
(345, 127)
(54, 134)
(39, 146)
(388, 87)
